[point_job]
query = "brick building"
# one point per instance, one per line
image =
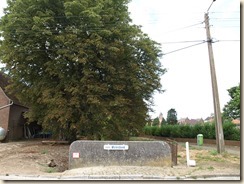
(11, 112)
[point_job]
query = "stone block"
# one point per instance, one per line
(119, 153)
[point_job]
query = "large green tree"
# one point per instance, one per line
(232, 109)
(81, 65)
(172, 116)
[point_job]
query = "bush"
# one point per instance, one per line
(231, 132)
(147, 130)
(165, 130)
(188, 131)
(197, 129)
(185, 131)
(209, 130)
(175, 131)
(154, 130)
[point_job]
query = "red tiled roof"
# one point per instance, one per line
(236, 121)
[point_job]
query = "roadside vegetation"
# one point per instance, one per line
(231, 132)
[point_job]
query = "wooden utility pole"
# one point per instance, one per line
(217, 114)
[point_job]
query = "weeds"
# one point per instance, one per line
(209, 158)
(51, 170)
(210, 168)
(44, 152)
(194, 177)
(213, 152)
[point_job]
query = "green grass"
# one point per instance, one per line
(195, 148)
(213, 152)
(209, 158)
(194, 177)
(44, 152)
(210, 168)
(51, 170)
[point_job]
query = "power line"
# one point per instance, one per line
(233, 18)
(225, 12)
(227, 41)
(185, 27)
(176, 42)
(183, 48)
(183, 41)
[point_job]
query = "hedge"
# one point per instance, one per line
(231, 132)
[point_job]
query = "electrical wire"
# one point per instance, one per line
(183, 48)
(185, 27)
(227, 41)
(183, 41)
(58, 30)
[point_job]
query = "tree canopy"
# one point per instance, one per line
(172, 116)
(81, 66)
(232, 109)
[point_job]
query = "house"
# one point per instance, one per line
(189, 121)
(209, 119)
(236, 122)
(11, 112)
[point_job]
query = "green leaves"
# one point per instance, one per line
(172, 117)
(81, 66)
(232, 109)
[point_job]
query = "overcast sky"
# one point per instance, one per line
(188, 81)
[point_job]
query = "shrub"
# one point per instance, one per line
(231, 132)
(165, 130)
(154, 129)
(188, 131)
(208, 130)
(147, 130)
(197, 129)
(158, 131)
(185, 131)
(175, 131)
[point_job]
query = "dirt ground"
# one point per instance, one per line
(32, 158)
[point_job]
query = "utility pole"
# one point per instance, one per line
(217, 114)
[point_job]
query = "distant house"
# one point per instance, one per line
(11, 112)
(209, 119)
(236, 122)
(189, 121)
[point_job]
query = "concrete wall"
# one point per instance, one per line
(139, 153)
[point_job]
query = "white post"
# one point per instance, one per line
(188, 161)
(187, 154)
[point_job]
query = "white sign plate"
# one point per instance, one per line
(115, 147)
(76, 155)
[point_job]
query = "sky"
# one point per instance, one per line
(187, 82)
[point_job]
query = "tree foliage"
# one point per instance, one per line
(172, 116)
(232, 109)
(156, 121)
(81, 66)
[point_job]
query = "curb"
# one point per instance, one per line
(120, 177)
